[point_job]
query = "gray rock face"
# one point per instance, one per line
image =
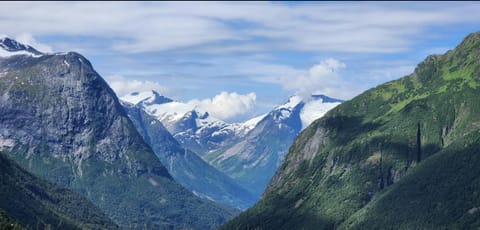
(60, 105)
(60, 120)
(308, 152)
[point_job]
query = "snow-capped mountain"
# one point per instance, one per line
(254, 158)
(309, 109)
(248, 152)
(193, 127)
(10, 47)
(185, 166)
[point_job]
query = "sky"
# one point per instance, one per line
(242, 59)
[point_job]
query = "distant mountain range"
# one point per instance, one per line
(248, 152)
(185, 166)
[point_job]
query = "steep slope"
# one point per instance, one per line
(406, 150)
(61, 121)
(440, 193)
(254, 158)
(185, 166)
(7, 223)
(31, 202)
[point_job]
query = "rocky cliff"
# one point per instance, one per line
(61, 121)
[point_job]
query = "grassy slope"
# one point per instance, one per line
(370, 153)
(442, 192)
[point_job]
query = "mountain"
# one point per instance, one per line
(62, 122)
(403, 155)
(248, 152)
(185, 166)
(30, 202)
(255, 157)
(192, 127)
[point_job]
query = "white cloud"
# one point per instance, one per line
(160, 26)
(320, 78)
(226, 105)
(122, 86)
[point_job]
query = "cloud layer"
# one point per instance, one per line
(325, 77)
(237, 27)
(271, 48)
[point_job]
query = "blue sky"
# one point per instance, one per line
(258, 53)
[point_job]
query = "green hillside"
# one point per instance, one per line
(403, 155)
(29, 202)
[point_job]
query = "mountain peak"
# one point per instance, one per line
(10, 47)
(158, 99)
(291, 102)
(471, 38)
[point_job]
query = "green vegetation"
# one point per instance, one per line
(442, 192)
(403, 155)
(32, 202)
(7, 223)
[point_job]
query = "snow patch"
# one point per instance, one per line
(172, 111)
(291, 103)
(252, 123)
(313, 110)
